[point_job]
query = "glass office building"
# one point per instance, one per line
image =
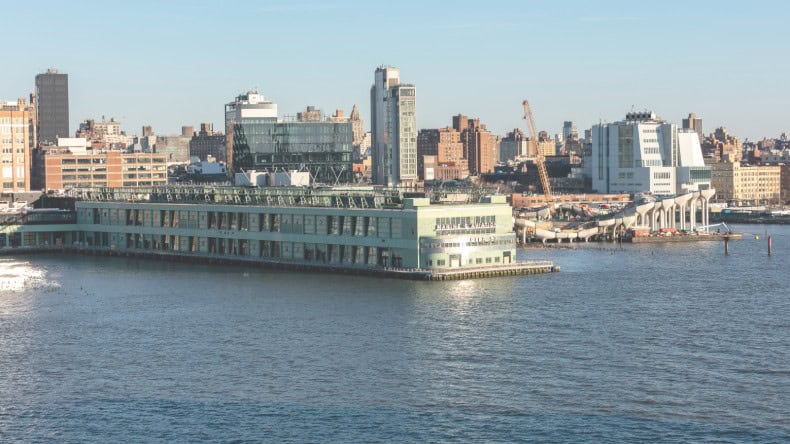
(259, 140)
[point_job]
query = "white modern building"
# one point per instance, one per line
(393, 129)
(646, 154)
(250, 106)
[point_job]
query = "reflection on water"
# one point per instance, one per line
(16, 276)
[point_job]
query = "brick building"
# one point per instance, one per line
(443, 143)
(64, 170)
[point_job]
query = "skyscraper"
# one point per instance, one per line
(52, 98)
(393, 124)
(569, 130)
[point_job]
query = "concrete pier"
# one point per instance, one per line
(514, 269)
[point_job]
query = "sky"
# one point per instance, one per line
(175, 63)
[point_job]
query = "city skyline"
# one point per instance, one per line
(578, 62)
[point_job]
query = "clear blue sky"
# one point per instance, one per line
(176, 63)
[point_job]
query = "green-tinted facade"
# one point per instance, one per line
(323, 148)
(414, 235)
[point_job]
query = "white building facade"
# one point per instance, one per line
(646, 154)
(393, 129)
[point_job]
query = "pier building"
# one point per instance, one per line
(345, 229)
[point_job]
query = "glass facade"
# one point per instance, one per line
(322, 148)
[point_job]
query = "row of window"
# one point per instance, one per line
(480, 242)
(9, 141)
(241, 221)
(476, 261)
(307, 252)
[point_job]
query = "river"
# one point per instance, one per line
(659, 343)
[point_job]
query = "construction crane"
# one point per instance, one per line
(540, 161)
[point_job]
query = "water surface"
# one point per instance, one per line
(666, 343)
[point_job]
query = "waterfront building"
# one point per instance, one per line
(208, 143)
(694, 123)
(348, 228)
(52, 106)
(646, 154)
(64, 169)
(780, 158)
(443, 143)
(393, 123)
(746, 184)
(17, 138)
(257, 140)
(784, 183)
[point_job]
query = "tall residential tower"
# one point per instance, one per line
(393, 124)
(52, 99)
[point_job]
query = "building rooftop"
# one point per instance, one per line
(328, 197)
